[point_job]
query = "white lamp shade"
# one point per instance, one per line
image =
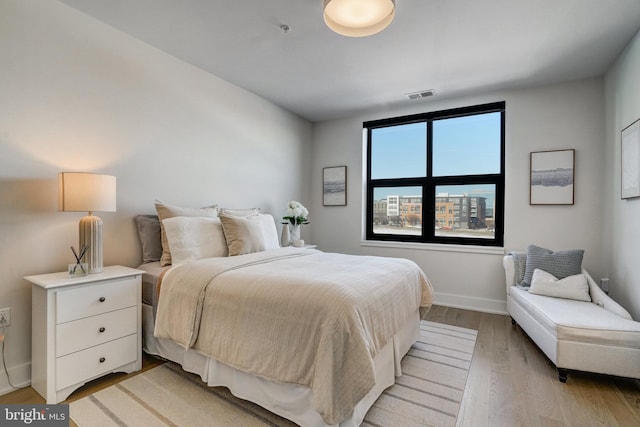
(358, 18)
(86, 192)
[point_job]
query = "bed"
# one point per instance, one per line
(314, 337)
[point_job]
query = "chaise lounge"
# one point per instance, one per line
(595, 336)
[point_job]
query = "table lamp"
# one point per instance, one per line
(88, 192)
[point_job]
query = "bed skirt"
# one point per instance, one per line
(291, 401)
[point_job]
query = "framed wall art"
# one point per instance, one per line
(552, 177)
(334, 186)
(630, 161)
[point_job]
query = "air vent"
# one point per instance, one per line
(421, 94)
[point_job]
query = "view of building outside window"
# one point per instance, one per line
(465, 211)
(397, 214)
(460, 211)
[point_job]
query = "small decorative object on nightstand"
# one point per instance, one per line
(83, 328)
(285, 238)
(296, 216)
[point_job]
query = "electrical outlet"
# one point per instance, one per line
(5, 317)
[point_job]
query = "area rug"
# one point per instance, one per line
(428, 393)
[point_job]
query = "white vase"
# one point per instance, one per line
(285, 237)
(294, 232)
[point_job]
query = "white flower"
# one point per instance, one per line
(296, 213)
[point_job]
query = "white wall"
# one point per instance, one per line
(621, 234)
(80, 96)
(561, 116)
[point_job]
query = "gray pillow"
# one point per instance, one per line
(149, 233)
(560, 263)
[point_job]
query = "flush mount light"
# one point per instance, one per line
(358, 18)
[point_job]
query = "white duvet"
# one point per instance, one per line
(294, 315)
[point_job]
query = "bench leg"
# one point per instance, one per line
(562, 375)
(513, 322)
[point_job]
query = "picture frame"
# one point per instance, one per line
(552, 176)
(630, 161)
(334, 186)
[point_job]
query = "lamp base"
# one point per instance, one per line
(91, 236)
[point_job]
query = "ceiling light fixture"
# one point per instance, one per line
(358, 18)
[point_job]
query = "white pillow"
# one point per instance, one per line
(269, 230)
(571, 287)
(239, 212)
(166, 211)
(192, 238)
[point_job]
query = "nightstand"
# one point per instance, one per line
(83, 328)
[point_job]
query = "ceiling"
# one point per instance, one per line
(455, 47)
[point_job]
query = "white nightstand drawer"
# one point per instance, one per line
(95, 330)
(88, 301)
(92, 362)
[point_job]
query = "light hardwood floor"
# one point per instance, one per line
(511, 383)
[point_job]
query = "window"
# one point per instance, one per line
(437, 177)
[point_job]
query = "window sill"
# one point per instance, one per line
(491, 250)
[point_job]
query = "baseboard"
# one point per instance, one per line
(20, 377)
(484, 305)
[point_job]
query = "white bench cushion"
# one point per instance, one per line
(572, 320)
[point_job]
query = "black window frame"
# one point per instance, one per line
(430, 183)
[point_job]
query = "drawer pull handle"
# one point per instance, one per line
(102, 299)
(101, 329)
(102, 360)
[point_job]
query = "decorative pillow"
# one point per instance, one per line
(244, 236)
(166, 211)
(239, 212)
(571, 287)
(192, 238)
(560, 263)
(520, 264)
(149, 233)
(269, 230)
